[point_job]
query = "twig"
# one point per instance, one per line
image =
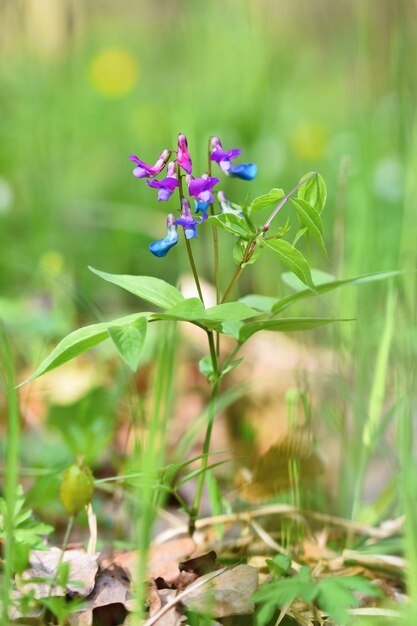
(266, 538)
(199, 583)
(279, 509)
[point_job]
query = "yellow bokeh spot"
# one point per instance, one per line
(52, 262)
(309, 142)
(114, 72)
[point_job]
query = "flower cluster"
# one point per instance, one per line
(200, 189)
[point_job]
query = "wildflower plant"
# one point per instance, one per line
(198, 202)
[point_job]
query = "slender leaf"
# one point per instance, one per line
(311, 219)
(79, 341)
(192, 310)
(307, 293)
(266, 201)
(149, 288)
(292, 258)
(259, 302)
(314, 191)
(129, 341)
(232, 224)
(289, 324)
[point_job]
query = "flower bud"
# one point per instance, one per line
(76, 488)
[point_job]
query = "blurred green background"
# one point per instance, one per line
(298, 85)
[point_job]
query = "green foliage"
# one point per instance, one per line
(233, 224)
(333, 594)
(266, 201)
(79, 341)
(129, 341)
(290, 324)
(292, 258)
(280, 564)
(86, 425)
(148, 288)
(28, 533)
(314, 191)
(311, 220)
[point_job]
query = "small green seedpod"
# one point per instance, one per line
(76, 488)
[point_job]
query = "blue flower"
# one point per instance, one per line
(163, 246)
(246, 171)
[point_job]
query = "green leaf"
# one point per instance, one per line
(232, 224)
(129, 341)
(205, 366)
(279, 564)
(288, 324)
(280, 305)
(266, 201)
(311, 220)
(192, 310)
(318, 276)
(232, 329)
(230, 312)
(258, 302)
(239, 249)
(292, 258)
(149, 288)
(314, 191)
(78, 342)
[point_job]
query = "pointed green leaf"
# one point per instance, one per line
(259, 302)
(314, 191)
(266, 201)
(292, 258)
(318, 276)
(79, 341)
(289, 324)
(311, 219)
(129, 341)
(280, 305)
(149, 288)
(232, 224)
(232, 329)
(190, 310)
(230, 312)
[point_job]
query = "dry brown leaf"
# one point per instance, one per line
(163, 560)
(271, 473)
(228, 594)
(43, 564)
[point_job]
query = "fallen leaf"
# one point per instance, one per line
(228, 594)
(163, 559)
(43, 564)
(271, 473)
(199, 565)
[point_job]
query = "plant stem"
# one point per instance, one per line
(206, 450)
(194, 269)
(250, 248)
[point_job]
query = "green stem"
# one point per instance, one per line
(204, 463)
(237, 273)
(194, 269)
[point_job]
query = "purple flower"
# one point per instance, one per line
(183, 156)
(162, 246)
(186, 220)
(201, 190)
(222, 157)
(143, 170)
(246, 171)
(167, 185)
